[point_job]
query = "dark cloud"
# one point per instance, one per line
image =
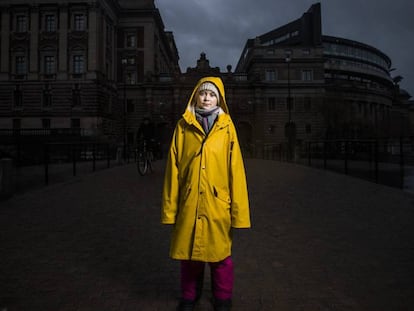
(220, 28)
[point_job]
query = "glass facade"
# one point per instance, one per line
(337, 49)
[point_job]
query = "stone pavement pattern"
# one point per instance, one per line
(319, 241)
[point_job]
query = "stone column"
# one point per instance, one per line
(34, 44)
(62, 73)
(5, 39)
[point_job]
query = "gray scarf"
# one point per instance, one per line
(207, 117)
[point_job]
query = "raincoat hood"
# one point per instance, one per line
(189, 113)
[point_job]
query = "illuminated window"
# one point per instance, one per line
(307, 75)
(21, 65)
(270, 75)
(78, 64)
(50, 23)
(131, 40)
(21, 23)
(49, 65)
(79, 22)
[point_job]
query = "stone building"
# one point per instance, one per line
(71, 64)
(102, 65)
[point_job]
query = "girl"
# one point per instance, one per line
(205, 194)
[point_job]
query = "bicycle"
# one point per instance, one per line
(144, 158)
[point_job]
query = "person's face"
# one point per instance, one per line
(206, 99)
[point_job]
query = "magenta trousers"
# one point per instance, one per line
(222, 278)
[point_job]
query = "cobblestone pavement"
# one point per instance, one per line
(319, 241)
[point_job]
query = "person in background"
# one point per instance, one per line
(147, 133)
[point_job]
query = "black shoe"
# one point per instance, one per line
(222, 305)
(186, 305)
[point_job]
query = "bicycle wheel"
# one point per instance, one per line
(142, 164)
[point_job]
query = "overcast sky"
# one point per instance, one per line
(220, 28)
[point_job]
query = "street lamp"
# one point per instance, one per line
(124, 62)
(288, 59)
(290, 126)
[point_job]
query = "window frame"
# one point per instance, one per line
(130, 43)
(48, 67)
(307, 74)
(78, 63)
(20, 66)
(50, 25)
(21, 23)
(270, 75)
(79, 21)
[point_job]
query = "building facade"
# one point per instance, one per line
(103, 65)
(70, 64)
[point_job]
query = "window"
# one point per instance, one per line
(46, 123)
(307, 75)
(47, 98)
(307, 105)
(49, 65)
(78, 64)
(21, 65)
(79, 22)
(75, 123)
(271, 104)
(131, 40)
(21, 23)
(50, 23)
(306, 52)
(270, 75)
(131, 77)
(17, 97)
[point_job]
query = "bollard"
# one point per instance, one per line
(6, 178)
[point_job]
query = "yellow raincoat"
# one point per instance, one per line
(205, 191)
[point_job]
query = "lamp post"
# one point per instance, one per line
(124, 63)
(290, 126)
(288, 59)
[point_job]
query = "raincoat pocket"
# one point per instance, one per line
(222, 195)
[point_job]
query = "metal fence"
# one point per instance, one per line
(388, 161)
(36, 165)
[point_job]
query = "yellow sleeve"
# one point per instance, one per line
(240, 213)
(171, 186)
